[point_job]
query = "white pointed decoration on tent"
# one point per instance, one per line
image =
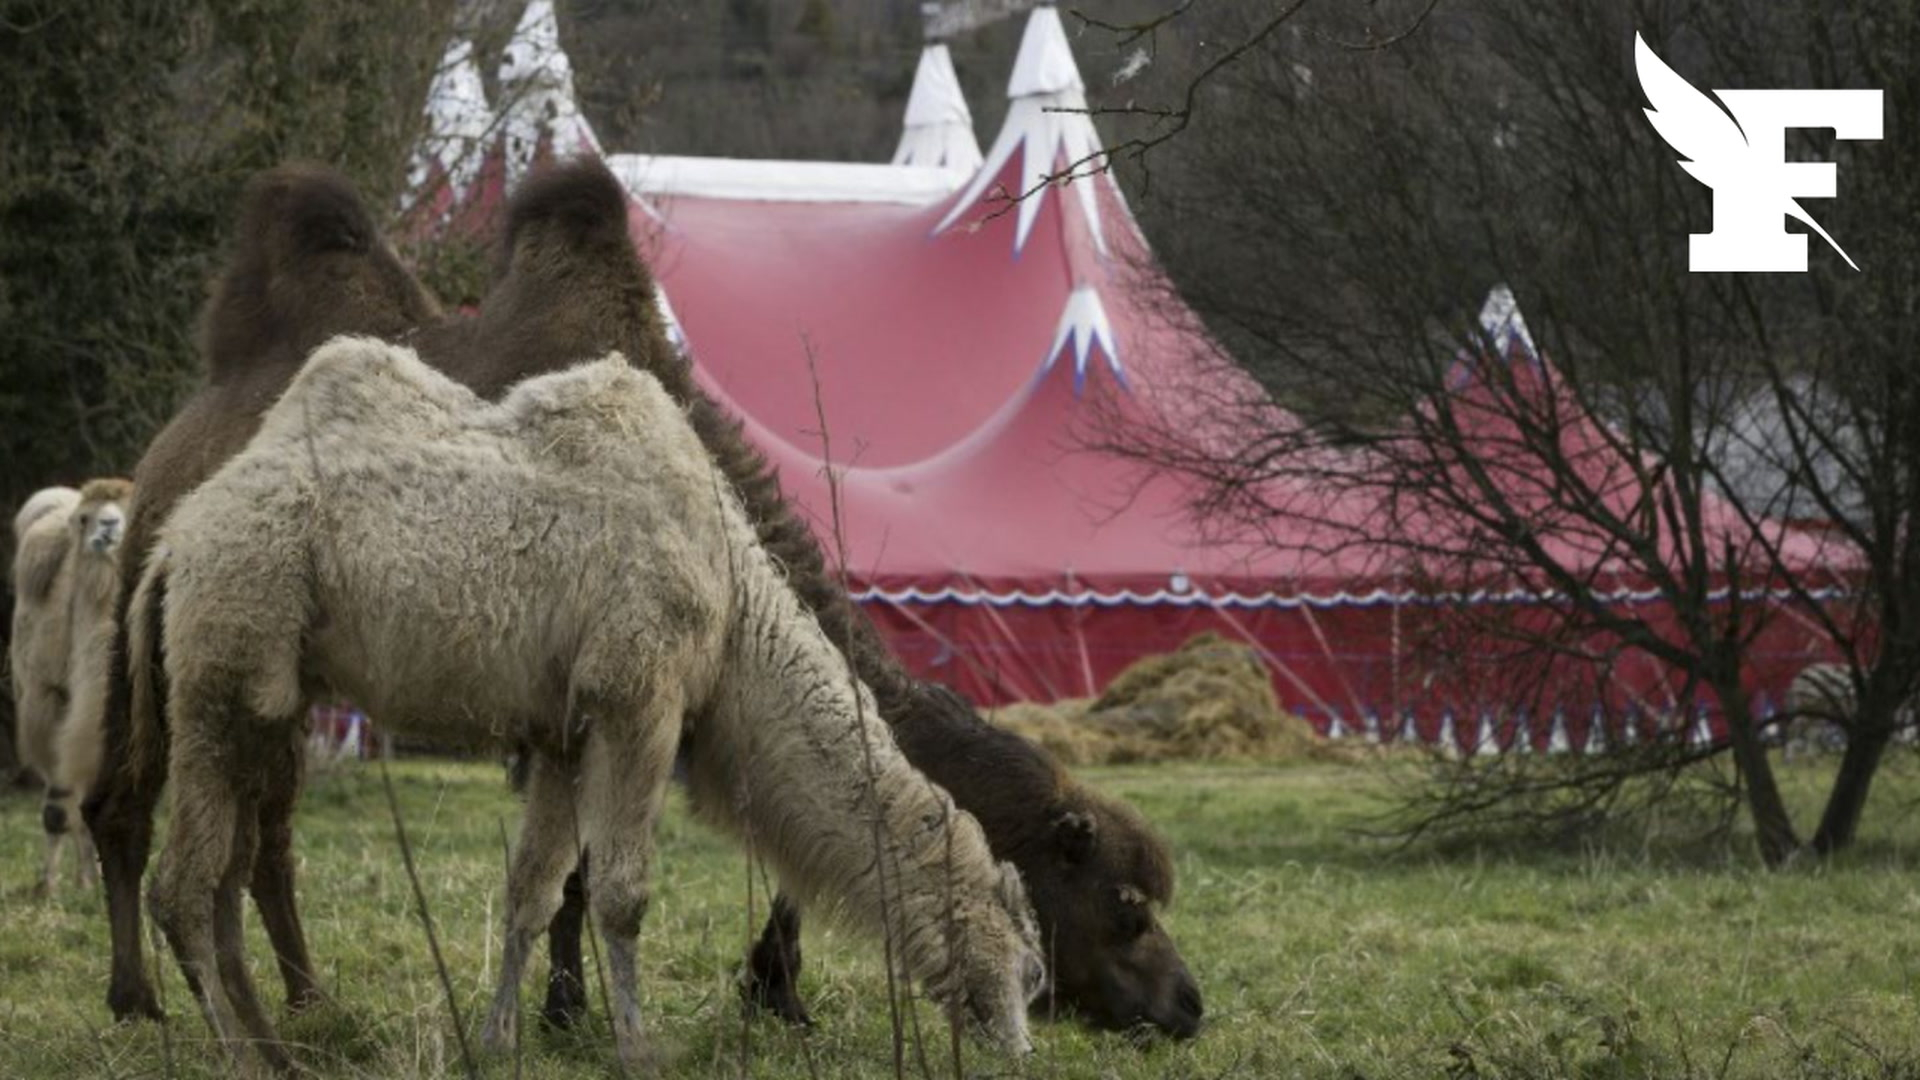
(1486, 742)
(1449, 737)
(536, 90)
(1597, 733)
(1370, 726)
(1501, 321)
(1702, 733)
(1335, 729)
(1522, 741)
(939, 127)
(1048, 125)
(460, 124)
(1084, 324)
(1557, 740)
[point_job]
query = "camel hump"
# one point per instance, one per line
(574, 204)
(308, 262)
(49, 500)
(41, 552)
(301, 210)
(603, 402)
(358, 382)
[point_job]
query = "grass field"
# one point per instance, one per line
(1320, 955)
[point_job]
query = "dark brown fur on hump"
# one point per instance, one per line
(307, 264)
(569, 288)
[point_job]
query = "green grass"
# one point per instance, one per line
(1320, 955)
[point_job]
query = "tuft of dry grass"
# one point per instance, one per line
(1211, 700)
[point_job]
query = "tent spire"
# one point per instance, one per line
(1500, 320)
(536, 86)
(447, 162)
(939, 127)
(1048, 126)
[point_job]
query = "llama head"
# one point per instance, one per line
(1003, 968)
(100, 519)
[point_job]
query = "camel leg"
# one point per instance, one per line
(272, 883)
(119, 814)
(773, 967)
(230, 946)
(195, 867)
(627, 774)
(86, 866)
(566, 972)
(53, 822)
(540, 864)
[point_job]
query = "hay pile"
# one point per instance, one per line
(1211, 700)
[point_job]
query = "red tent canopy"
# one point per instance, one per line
(924, 358)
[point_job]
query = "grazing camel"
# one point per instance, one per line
(1094, 868)
(65, 579)
(567, 570)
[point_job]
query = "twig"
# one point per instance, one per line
(506, 863)
(859, 720)
(426, 921)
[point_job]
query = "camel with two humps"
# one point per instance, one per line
(569, 568)
(65, 582)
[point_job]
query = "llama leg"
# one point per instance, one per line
(272, 883)
(566, 972)
(773, 967)
(627, 773)
(545, 854)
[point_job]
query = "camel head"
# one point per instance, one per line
(1101, 884)
(99, 521)
(994, 997)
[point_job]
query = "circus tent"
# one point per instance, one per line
(929, 361)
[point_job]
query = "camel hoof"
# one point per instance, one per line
(566, 1005)
(133, 1005)
(497, 1036)
(778, 998)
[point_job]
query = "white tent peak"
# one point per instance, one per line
(536, 86)
(459, 124)
(1501, 321)
(939, 127)
(1045, 63)
(1048, 126)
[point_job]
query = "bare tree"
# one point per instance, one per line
(1335, 216)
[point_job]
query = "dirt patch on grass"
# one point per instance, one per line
(1210, 701)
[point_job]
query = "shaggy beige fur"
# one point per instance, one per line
(566, 568)
(66, 577)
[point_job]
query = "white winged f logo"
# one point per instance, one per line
(1741, 153)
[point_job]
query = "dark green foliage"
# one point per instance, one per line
(126, 130)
